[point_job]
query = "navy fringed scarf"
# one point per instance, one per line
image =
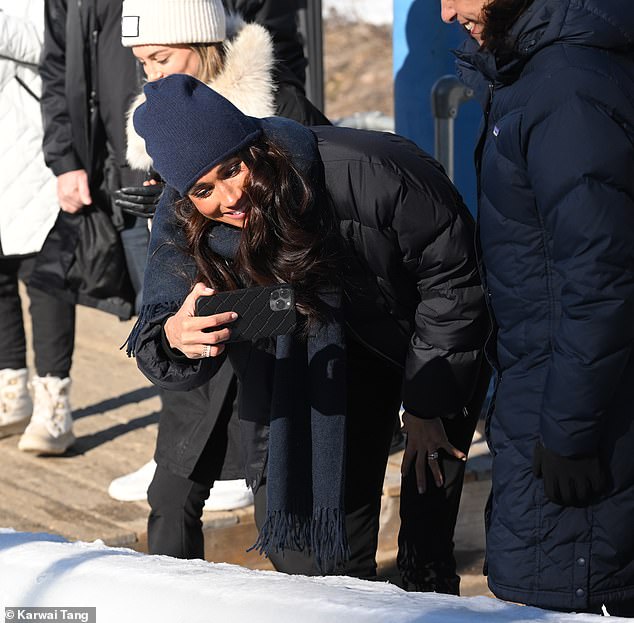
(306, 452)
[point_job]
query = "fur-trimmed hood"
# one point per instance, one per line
(246, 81)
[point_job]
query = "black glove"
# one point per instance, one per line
(139, 200)
(568, 481)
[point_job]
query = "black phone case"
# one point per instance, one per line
(263, 311)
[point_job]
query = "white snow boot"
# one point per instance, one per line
(51, 428)
(15, 402)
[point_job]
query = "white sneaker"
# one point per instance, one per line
(50, 430)
(133, 487)
(15, 401)
(227, 495)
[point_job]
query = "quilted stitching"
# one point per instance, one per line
(256, 319)
(29, 202)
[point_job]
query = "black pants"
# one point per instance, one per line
(425, 553)
(426, 545)
(176, 502)
(425, 542)
(52, 320)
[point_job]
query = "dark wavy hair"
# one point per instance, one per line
(499, 17)
(289, 234)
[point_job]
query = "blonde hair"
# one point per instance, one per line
(212, 60)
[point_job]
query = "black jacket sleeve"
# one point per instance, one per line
(291, 103)
(409, 229)
(167, 370)
(279, 17)
(59, 153)
(435, 233)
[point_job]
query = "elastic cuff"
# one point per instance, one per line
(64, 164)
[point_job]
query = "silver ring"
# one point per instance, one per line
(206, 350)
(432, 456)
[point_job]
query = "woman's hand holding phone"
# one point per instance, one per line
(193, 335)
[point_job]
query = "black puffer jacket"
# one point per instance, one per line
(415, 297)
(421, 303)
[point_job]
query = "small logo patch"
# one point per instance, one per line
(130, 25)
(496, 131)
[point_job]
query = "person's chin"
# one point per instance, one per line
(476, 34)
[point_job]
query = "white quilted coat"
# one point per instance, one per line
(28, 199)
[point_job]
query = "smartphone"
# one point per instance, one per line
(263, 311)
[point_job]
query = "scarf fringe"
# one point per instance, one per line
(148, 313)
(323, 535)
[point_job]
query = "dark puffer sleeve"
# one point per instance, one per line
(164, 369)
(435, 233)
(580, 162)
(414, 237)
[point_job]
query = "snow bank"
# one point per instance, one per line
(38, 570)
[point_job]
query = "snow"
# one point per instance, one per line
(38, 570)
(373, 11)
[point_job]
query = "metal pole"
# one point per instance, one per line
(447, 94)
(444, 145)
(421, 55)
(310, 25)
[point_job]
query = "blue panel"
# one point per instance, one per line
(422, 53)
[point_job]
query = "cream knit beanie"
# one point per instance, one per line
(167, 22)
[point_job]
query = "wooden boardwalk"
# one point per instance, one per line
(116, 413)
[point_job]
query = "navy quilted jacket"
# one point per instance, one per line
(556, 228)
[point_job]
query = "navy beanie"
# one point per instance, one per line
(188, 129)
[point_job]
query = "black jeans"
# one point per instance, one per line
(176, 502)
(52, 321)
(425, 541)
(425, 553)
